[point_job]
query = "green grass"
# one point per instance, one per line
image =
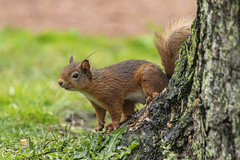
(31, 105)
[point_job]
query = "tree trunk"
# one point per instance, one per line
(198, 116)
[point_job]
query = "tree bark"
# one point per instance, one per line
(198, 115)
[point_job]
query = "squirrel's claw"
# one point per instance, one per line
(110, 127)
(99, 128)
(150, 98)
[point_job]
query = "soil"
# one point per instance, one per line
(106, 17)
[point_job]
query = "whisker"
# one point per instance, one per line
(54, 86)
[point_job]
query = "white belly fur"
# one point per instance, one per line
(91, 98)
(139, 97)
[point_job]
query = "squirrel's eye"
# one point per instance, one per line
(75, 75)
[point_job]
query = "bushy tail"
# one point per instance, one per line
(168, 43)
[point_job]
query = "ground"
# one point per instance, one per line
(107, 17)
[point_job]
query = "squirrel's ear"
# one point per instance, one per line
(85, 65)
(71, 59)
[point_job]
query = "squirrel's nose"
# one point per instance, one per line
(60, 82)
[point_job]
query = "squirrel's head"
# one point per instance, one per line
(76, 75)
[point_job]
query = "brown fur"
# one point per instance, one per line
(119, 87)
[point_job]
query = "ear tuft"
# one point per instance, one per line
(71, 59)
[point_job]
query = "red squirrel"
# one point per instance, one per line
(117, 88)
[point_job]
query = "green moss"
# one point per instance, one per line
(196, 148)
(180, 142)
(166, 151)
(181, 80)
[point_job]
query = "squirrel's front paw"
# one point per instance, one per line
(112, 126)
(99, 128)
(150, 98)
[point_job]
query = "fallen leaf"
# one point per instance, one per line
(24, 142)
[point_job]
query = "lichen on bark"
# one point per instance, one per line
(219, 44)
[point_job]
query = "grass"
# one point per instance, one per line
(31, 104)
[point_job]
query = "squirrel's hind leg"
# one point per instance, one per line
(153, 81)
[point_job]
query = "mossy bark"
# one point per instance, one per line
(198, 116)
